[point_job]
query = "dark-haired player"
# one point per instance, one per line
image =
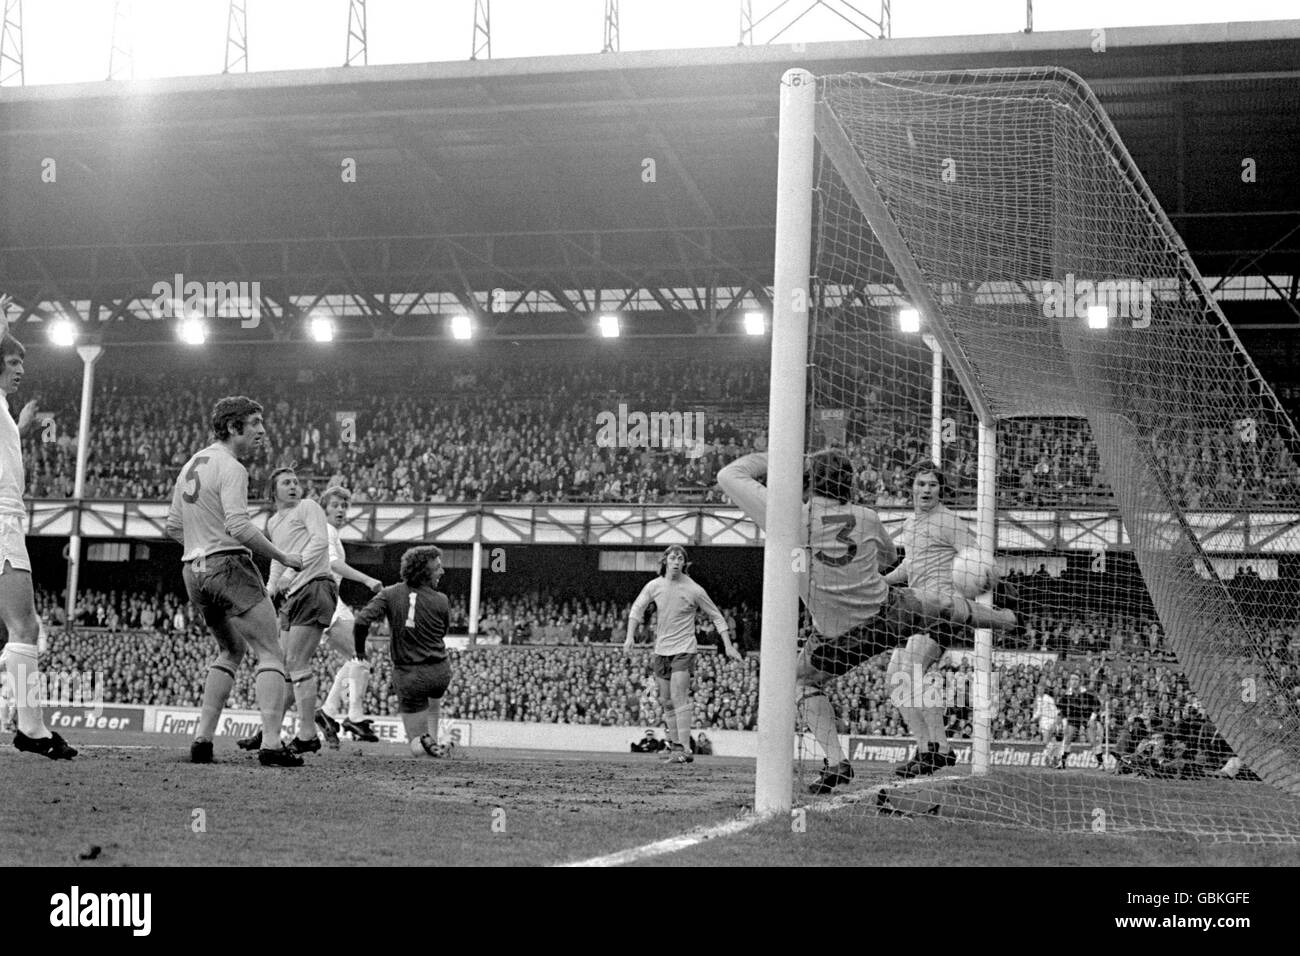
(1080, 711)
(18, 636)
(418, 615)
(855, 613)
(209, 517)
(677, 597)
(932, 536)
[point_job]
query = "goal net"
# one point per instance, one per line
(1140, 454)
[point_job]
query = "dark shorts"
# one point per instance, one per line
(665, 664)
(228, 585)
(312, 605)
(417, 684)
(891, 626)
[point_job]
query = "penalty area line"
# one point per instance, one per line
(703, 834)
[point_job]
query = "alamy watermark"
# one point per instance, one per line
(679, 431)
(175, 298)
(77, 690)
(1122, 298)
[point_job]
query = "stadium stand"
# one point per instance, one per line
(526, 434)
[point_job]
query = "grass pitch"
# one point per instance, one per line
(134, 799)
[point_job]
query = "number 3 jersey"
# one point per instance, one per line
(841, 586)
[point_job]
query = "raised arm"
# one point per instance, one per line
(740, 480)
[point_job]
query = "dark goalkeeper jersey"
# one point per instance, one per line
(1077, 708)
(418, 620)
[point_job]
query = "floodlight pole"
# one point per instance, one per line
(89, 356)
(475, 589)
(783, 557)
(936, 399)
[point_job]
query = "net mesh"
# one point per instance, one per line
(1009, 198)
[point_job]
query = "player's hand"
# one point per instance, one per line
(375, 585)
(28, 414)
(293, 561)
(627, 646)
(5, 301)
(732, 653)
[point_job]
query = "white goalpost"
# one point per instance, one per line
(786, 412)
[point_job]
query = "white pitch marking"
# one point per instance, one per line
(699, 835)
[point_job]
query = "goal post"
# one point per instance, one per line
(786, 416)
(1100, 373)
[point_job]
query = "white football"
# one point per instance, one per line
(973, 573)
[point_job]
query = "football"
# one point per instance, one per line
(973, 573)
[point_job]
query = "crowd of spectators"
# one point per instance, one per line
(1133, 674)
(532, 433)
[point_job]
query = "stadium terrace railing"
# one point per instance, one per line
(628, 525)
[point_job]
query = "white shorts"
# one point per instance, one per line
(1049, 728)
(340, 626)
(342, 613)
(13, 544)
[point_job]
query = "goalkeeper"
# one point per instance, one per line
(856, 614)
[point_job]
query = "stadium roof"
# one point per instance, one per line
(528, 175)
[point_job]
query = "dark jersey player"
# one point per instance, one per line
(1080, 710)
(418, 616)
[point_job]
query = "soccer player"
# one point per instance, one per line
(1080, 710)
(932, 536)
(354, 675)
(310, 595)
(855, 613)
(677, 598)
(1048, 716)
(18, 638)
(418, 615)
(209, 517)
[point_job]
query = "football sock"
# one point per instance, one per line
(932, 717)
(286, 700)
(683, 716)
(304, 693)
(269, 689)
(914, 718)
(215, 691)
(435, 713)
(334, 700)
(360, 677)
(821, 721)
(20, 659)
